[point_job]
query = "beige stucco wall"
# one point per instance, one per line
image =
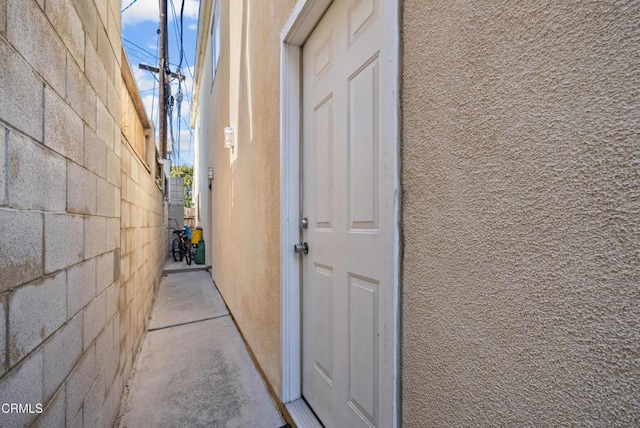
(245, 224)
(521, 216)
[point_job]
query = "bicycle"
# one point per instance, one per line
(181, 246)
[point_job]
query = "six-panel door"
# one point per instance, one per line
(347, 196)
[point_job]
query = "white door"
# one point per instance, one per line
(348, 199)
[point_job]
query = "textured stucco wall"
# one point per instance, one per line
(245, 205)
(521, 213)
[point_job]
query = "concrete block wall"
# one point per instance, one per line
(69, 324)
(176, 207)
(57, 129)
(144, 249)
(176, 201)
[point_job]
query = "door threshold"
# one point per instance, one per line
(302, 414)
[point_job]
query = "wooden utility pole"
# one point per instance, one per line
(164, 86)
(157, 70)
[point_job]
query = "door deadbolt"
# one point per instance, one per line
(301, 248)
(304, 223)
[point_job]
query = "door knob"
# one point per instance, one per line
(301, 248)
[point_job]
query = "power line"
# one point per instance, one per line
(175, 22)
(189, 99)
(163, 67)
(191, 136)
(175, 155)
(176, 147)
(181, 32)
(130, 4)
(138, 52)
(153, 98)
(189, 68)
(188, 127)
(139, 48)
(179, 29)
(135, 54)
(175, 123)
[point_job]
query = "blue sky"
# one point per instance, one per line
(140, 40)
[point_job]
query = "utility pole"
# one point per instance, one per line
(157, 70)
(164, 74)
(163, 66)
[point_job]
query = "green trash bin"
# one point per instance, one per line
(199, 259)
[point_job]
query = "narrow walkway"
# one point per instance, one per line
(194, 369)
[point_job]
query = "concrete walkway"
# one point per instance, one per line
(194, 369)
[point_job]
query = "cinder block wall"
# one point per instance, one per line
(176, 207)
(176, 202)
(63, 342)
(144, 250)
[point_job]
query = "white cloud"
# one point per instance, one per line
(149, 10)
(186, 144)
(191, 8)
(193, 27)
(141, 10)
(144, 79)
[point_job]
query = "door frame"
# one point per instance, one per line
(303, 19)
